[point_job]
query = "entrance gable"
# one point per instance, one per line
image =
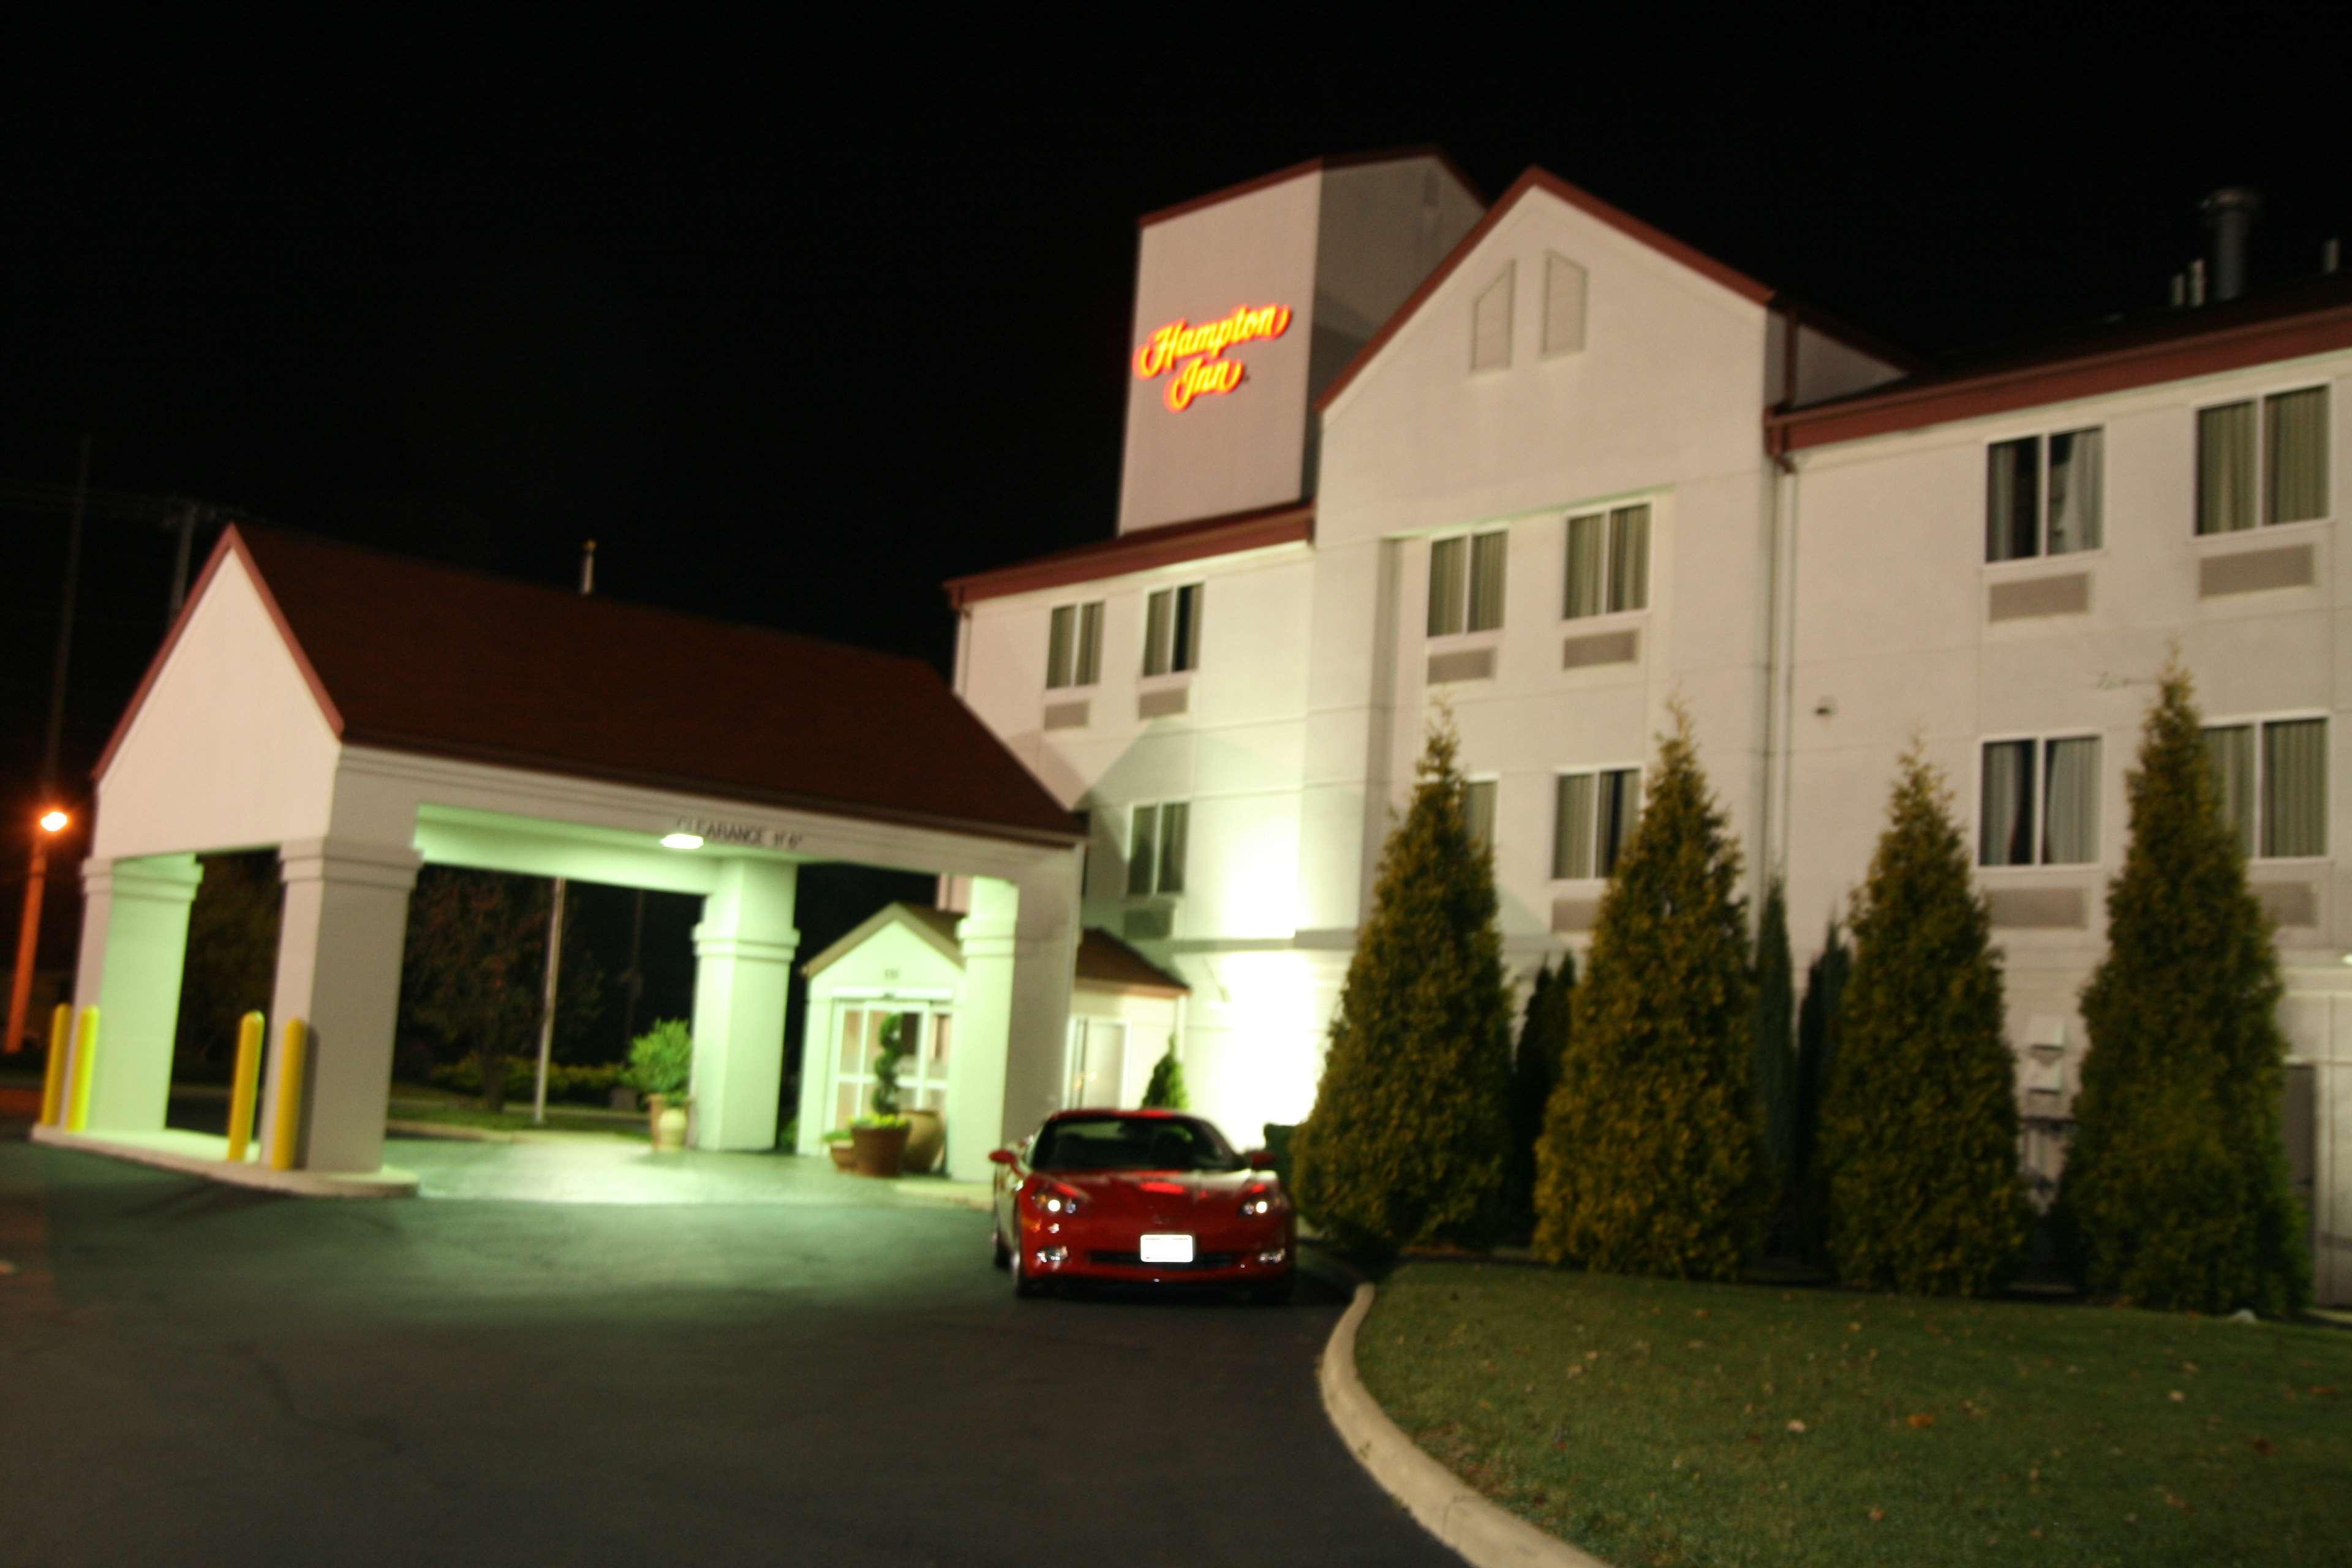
(228, 744)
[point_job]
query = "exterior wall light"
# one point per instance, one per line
(681, 840)
(54, 821)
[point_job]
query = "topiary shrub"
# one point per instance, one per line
(1919, 1125)
(2175, 1192)
(1407, 1139)
(1535, 1073)
(1652, 1160)
(1166, 1090)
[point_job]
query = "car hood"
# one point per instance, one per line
(1169, 1197)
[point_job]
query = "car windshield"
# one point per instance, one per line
(1131, 1143)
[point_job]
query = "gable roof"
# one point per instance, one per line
(2313, 316)
(1626, 222)
(1104, 962)
(413, 657)
(1168, 544)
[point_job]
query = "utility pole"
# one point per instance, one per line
(555, 918)
(53, 820)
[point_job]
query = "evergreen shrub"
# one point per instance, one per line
(1652, 1160)
(1166, 1090)
(1535, 1073)
(1806, 1235)
(2175, 1191)
(1919, 1124)
(1407, 1139)
(1776, 1045)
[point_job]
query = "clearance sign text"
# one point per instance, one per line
(1195, 354)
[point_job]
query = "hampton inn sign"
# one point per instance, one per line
(1196, 354)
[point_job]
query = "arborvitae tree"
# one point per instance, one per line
(1535, 1072)
(1652, 1160)
(2177, 1191)
(1166, 1090)
(1807, 1231)
(1776, 1053)
(1411, 1126)
(1919, 1126)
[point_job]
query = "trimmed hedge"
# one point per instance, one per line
(585, 1083)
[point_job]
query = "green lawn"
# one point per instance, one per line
(1653, 1422)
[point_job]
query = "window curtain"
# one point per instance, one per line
(2069, 811)
(1619, 807)
(1089, 652)
(2013, 499)
(2230, 749)
(1058, 637)
(1629, 558)
(1142, 850)
(1445, 586)
(1155, 634)
(1584, 577)
(2008, 826)
(1174, 820)
(2225, 469)
(2074, 486)
(1479, 810)
(2295, 788)
(1572, 836)
(1489, 555)
(2294, 436)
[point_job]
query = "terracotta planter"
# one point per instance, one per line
(927, 1135)
(880, 1150)
(666, 1120)
(844, 1155)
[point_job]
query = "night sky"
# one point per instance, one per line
(797, 325)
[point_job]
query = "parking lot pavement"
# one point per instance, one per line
(585, 1168)
(198, 1374)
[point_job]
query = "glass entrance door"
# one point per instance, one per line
(927, 1035)
(1098, 1064)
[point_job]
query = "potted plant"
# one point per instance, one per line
(837, 1144)
(661, 1065)
(880, 1137)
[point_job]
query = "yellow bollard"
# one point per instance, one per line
(85, 1060)
(53, 1083)
(249, 1030)
(287, 1129)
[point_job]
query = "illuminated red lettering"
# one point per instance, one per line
(1196, 352)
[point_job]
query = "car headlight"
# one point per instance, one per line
(1053, 1198)
(1261, 1201)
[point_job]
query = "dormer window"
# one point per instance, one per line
(1490, 324)
(1563, 326)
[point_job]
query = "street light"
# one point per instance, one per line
(51, 822)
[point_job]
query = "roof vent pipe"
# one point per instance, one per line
(2229, 216)
(2331, 256)
(2196, 280)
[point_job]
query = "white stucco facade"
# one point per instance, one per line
(1815, 602)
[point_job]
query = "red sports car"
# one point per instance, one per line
(1151, 1197)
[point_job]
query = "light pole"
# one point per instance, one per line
(20, 995)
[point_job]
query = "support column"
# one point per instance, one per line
(1020, 950)
(339, 953)
(134, 942)
(744, 966)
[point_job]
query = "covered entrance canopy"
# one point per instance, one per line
(365, 713)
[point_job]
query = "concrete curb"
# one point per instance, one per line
(1484, 1535)
(194, 1154)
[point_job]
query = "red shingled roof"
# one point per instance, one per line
(410, 655)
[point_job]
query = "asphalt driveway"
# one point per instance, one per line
(197, 1374)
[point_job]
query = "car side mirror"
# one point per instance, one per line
(1260, 1159)
(1003, 1156)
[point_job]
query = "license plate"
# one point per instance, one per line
(1166, 1249)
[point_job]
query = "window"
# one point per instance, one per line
(1171, 630)
(2272, 779)
(1155, 849)
(1593, 815)
(1479, 810)
(1563, 330)
(1490, 324)
(2056, 825)
(1466, 583)
(1074, 644)
(926, 1037)
(1608, 561)
(2043, 495)
(2290, 481)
